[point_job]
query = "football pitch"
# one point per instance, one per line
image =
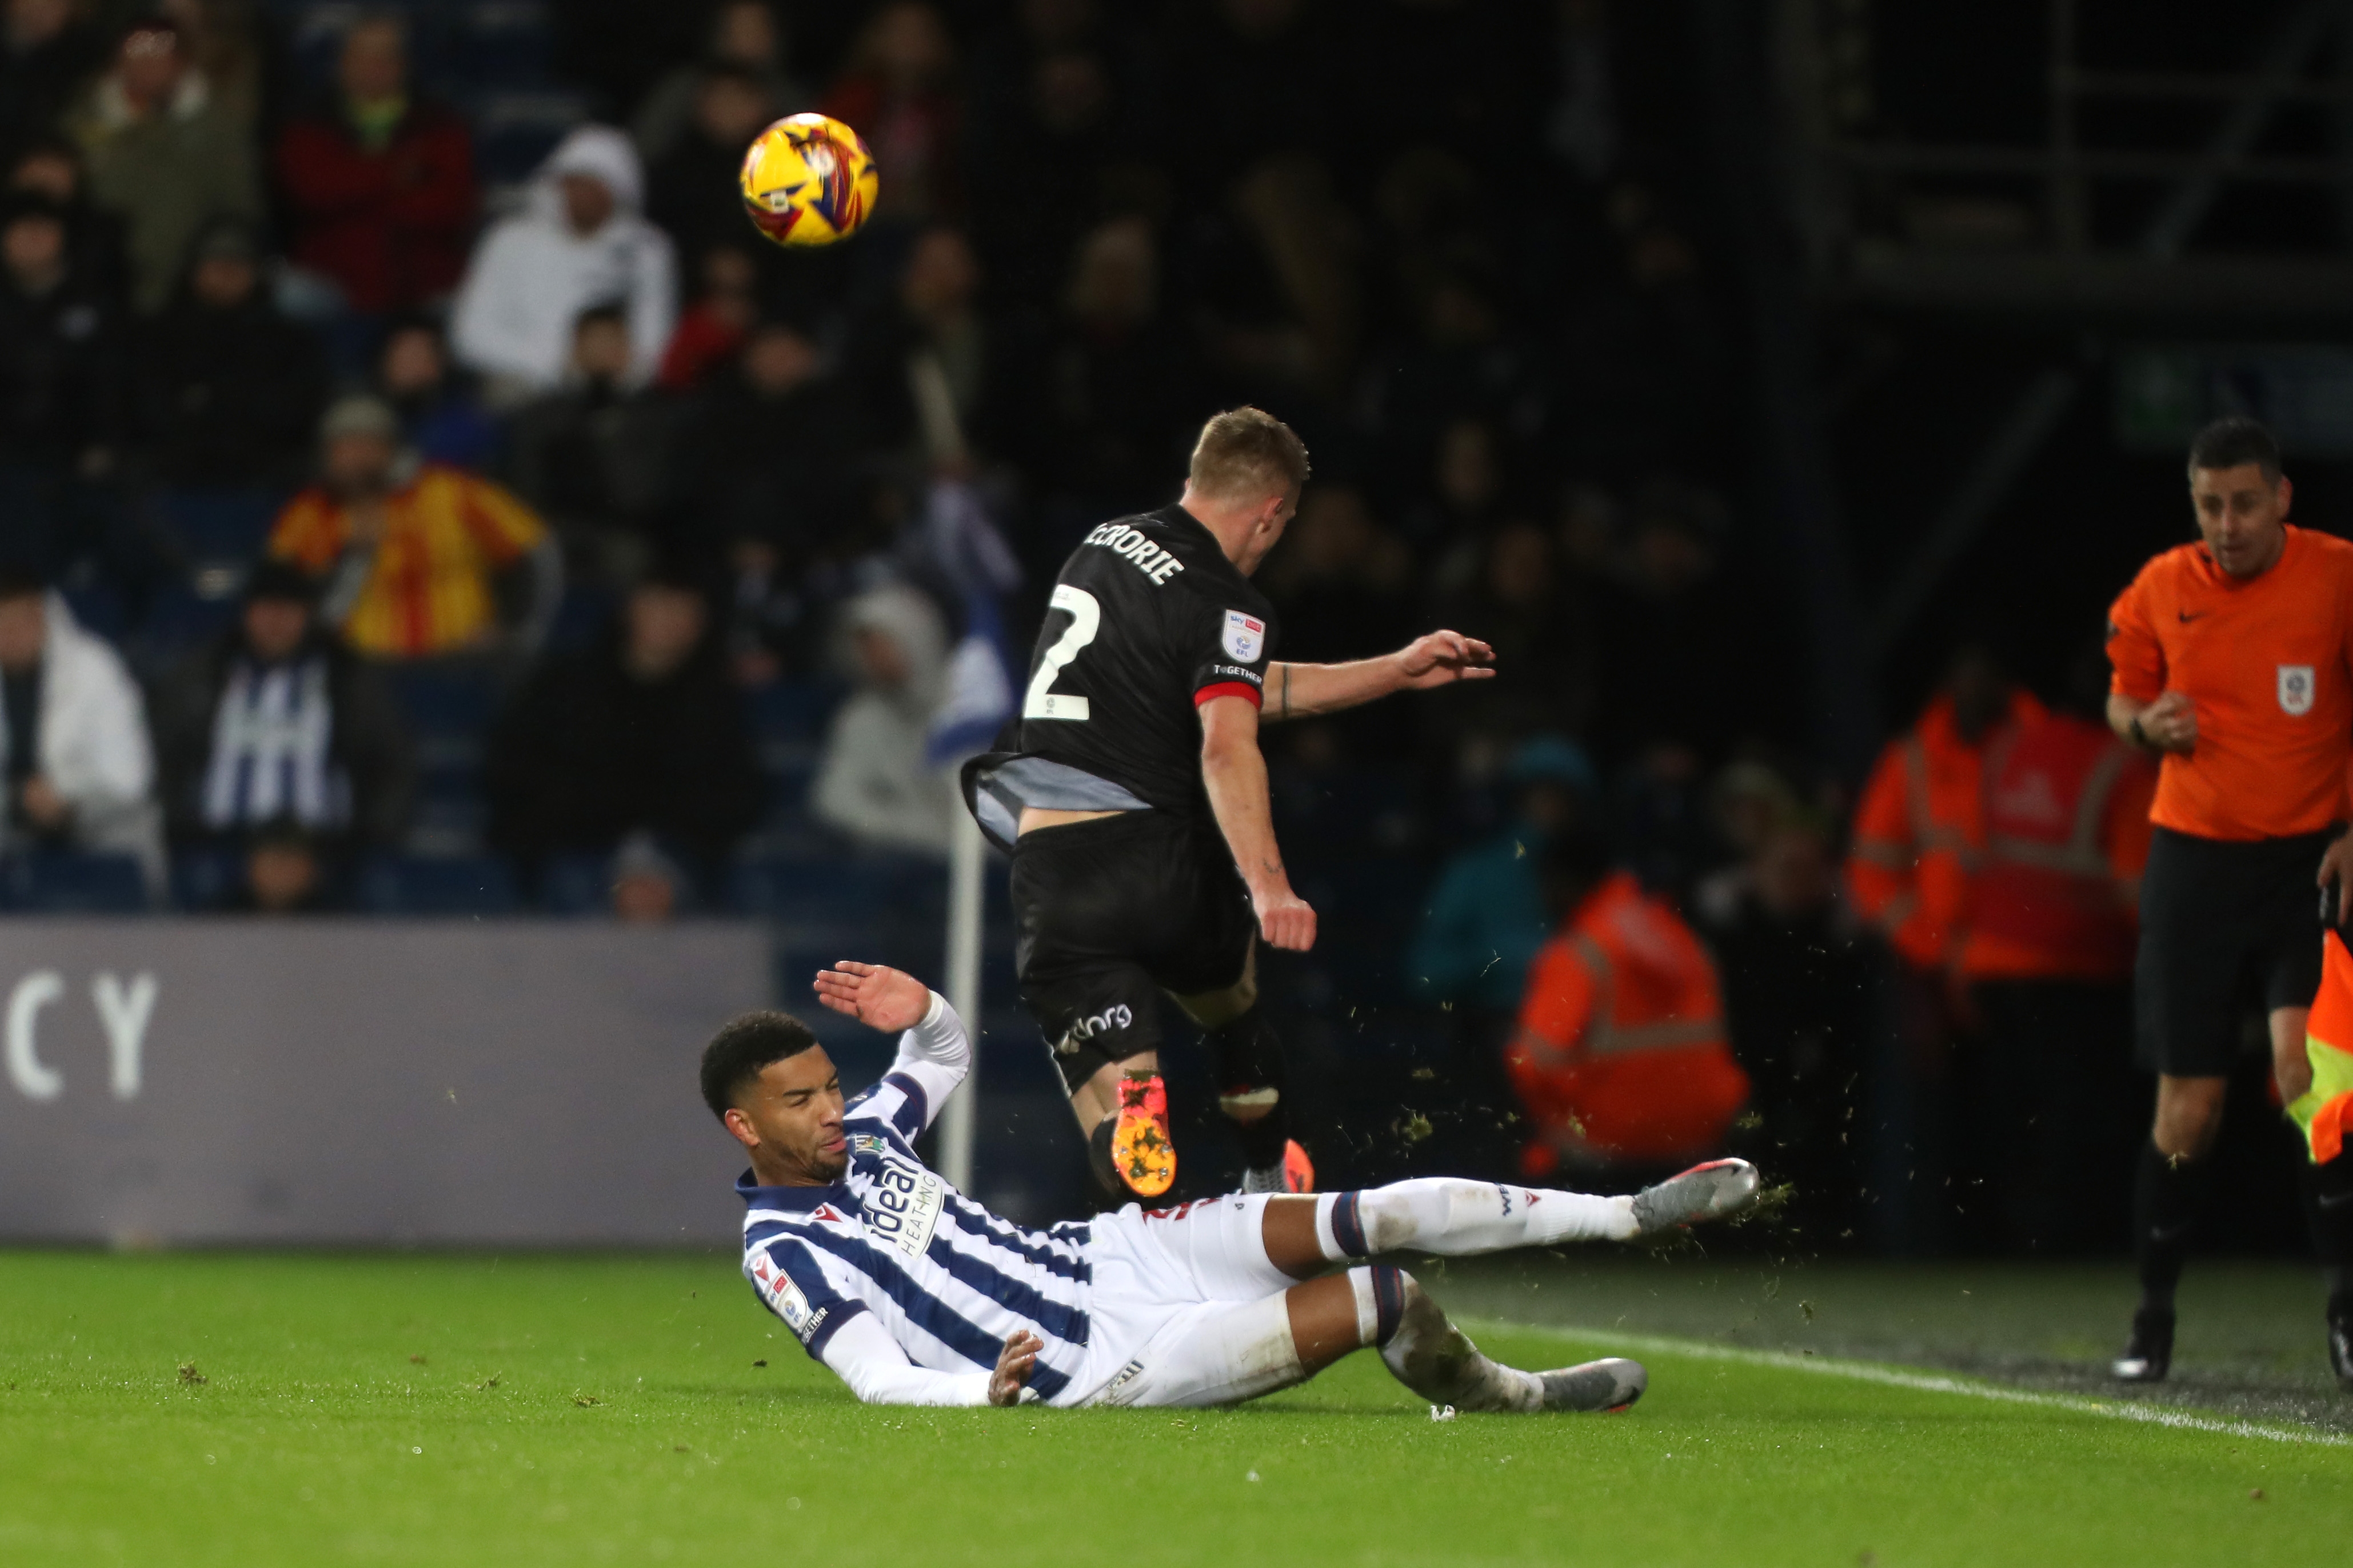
(306, 1409)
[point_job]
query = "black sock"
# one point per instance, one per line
(2167, 1196)
(1248, 1058)
(2328, 1210)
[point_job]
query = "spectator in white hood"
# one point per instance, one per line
(74, 752)
(581, 240)
(873, 781)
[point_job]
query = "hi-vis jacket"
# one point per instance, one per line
(1621, 1052)
(1917, 830)
(2066, 837)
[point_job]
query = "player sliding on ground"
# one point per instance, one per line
(916, 1295)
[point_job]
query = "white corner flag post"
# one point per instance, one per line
(967, 857)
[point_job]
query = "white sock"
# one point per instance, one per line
(1453, 1217)
(1429, 1355)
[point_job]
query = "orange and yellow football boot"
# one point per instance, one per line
(1141, 1150)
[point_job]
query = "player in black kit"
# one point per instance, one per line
(1134, 801)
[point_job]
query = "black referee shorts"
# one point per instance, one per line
(2224, 926)
(1112, 913)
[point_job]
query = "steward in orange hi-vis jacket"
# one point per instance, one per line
(1918, 827)
(1917, 831)
(1621, 1055)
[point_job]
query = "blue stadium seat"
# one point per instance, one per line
(206, 879)
(514, 132)
(849, 886)
(794, 709)
(180, 618)
(573, 886)
(64, 882)
(584, 614)
(219, 526)
(98, 607)
(445, 700)
(410, 885)
(449, 709)
(805, 891)
(504, 44)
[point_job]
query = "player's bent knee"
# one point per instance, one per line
(1215, 1009)
(1387, 1298)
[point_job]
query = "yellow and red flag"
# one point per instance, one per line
(2323, 1112)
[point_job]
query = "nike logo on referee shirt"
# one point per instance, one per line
(2187, 616)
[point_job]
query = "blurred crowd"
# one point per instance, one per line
(424, 492)
(283, 285)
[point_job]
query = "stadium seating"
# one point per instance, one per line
(454, 884)
(223, 526)
(98, 607)
(206, 879)
(573, 885)
(450, 706)
(788, 719)
(64, 882)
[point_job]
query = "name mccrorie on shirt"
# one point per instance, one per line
(1135, 547)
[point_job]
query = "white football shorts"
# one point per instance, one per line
(1186, 1308)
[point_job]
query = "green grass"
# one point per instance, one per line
(627, 1423)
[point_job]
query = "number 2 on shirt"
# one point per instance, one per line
(1086, 619)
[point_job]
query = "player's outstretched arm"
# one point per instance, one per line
(1440, 658)
(881, 998)
(1234, 774)
(934, 1049)
(862, 1353)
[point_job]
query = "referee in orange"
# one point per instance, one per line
(2232, 659)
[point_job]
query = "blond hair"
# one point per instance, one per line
(1245, 453)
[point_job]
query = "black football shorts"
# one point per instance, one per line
(2224, 927)
(1109, 914)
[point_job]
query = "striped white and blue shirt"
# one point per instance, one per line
(946, 1282)
(273, 733)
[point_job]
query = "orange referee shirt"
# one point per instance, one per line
(2268, 666)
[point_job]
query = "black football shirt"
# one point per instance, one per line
(1148, 620)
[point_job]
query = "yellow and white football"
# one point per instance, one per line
(808, 180)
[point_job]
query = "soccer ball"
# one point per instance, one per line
(808, 180)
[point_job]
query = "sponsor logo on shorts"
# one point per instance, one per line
(1117, 1016)
(2296, 689)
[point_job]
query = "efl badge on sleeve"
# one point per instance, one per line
(2296, 689)
(1245, 637)
(782, 1293)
